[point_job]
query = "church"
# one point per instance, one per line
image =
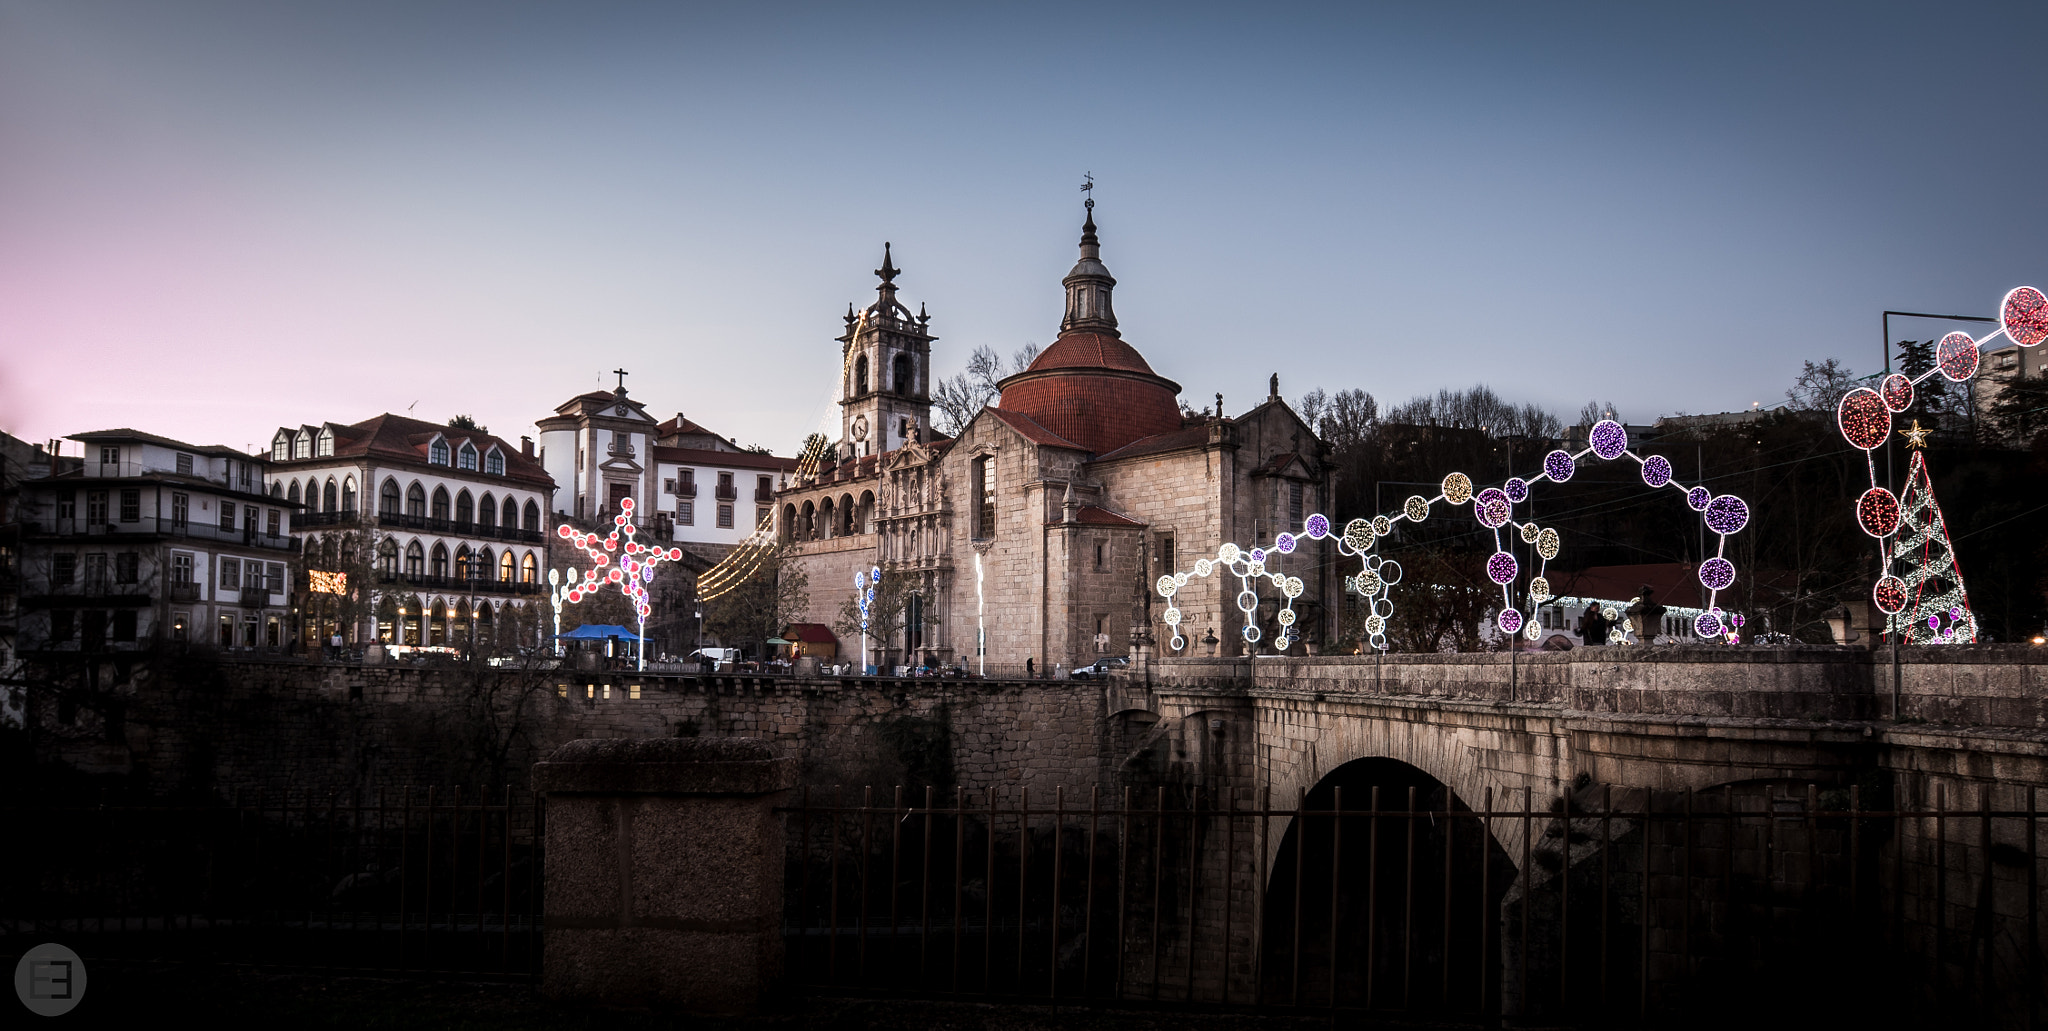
(1038, 533)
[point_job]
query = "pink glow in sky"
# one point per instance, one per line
(216, 218)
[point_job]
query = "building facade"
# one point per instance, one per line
(449, 526)
(689, 485)
(148, 540)
(1038, 532)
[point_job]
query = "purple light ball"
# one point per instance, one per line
(1717, 573)
(1509, 620)
(1657, 470)
(1934, 622)
(1727, 514)
(1258, 554)
(1318, 526)
(1491, 507)
(1559, 466)
(1707, 625)
(1609, 440)
(1955, 612)
(1501, 567)
(1517, 490)
(1698, 498)
(1285, 544)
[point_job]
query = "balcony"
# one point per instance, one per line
(342, 517)
(727, 493)
(113, 470)
(257, 597)
(184, 591)
(764, 495)
(458, 586)
(686, 489)
(447, 526)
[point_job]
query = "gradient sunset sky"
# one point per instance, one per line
(216, 218)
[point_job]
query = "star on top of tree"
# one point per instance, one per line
(1915, 437)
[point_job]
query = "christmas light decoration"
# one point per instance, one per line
(320, 582)
(864, 584)
(1493, 508)
(1865, 418)
(631, 574)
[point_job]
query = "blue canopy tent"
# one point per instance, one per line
(599, 632)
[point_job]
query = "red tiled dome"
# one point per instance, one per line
(1095, 390)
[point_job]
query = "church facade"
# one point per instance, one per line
(1038, 532)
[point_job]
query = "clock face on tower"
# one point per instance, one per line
(860, 427)
(622, 409)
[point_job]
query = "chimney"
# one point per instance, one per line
(679, 422)
(526, 447)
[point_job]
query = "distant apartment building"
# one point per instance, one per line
(690, 485)
(146, 540)
(450, 524)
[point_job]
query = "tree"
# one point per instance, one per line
(464, 422)
(890, 613)
(1594, 411)
(761, 606)
(1933, 582)
(1819, 388)
(961, 397)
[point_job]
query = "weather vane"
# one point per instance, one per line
(1089, 189)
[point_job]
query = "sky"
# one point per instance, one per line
(220, 218)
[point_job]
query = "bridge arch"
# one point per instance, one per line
(1376, 897)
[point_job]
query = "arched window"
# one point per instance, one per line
(387, 557)
(462, 562)
(867, 511)
(293, 493)
(511, 515)
(788, 523)
(505, 567)
(486, 513)
(905, 375)
(438, 454)
(327, 497)
(439, 567)
(809, 522)
(467, 457)
(846, 515)
(440, 502)
(277, 489)
(826, 520)
(415, 561)
(416, 501)
(529, 570)
(532, 517)
(465, 508)
(860, 375)
(483, 612)
(485, 563)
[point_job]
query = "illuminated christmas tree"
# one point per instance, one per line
(1937, 609)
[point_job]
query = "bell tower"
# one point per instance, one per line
(885, 376)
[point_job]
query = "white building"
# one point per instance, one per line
(454, 521)
(150, 540)
(689, 485)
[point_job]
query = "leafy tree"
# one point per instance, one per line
(961, 397)
(464, 422)
(890, 613)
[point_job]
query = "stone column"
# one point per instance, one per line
(664, 872)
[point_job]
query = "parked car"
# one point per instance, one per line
(1101, 668)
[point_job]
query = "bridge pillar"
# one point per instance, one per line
(664, 872)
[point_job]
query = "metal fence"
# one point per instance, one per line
(1599, 906)
(406, 879)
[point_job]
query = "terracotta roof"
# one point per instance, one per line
(730, 459)
(125, 433)
(811, 633)
(1085, 350)
(1031, 430)
(396, 438)
(1173, 440)
(1103, 517)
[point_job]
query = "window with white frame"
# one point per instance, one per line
(494, 462)
(437, 453)
(467, 457)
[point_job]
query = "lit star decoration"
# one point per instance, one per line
(326, 583)
(631, 573)
(1493, 507)
(1865, 418)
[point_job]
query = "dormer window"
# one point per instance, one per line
(281, 447)
(468, 457)
(494, 462)
(437, 453)
(302, 446)
(324, 446)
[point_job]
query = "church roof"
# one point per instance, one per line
(1085, 350)
(1171, 440)
(1103, 517)
(1031, 430)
